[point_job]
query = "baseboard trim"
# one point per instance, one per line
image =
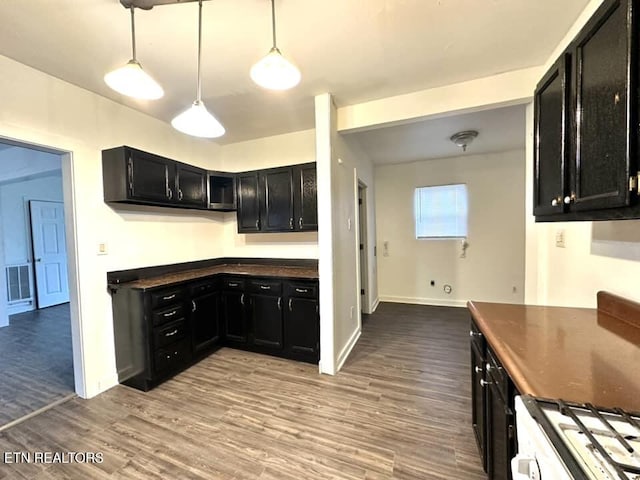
(376, 302)
(344, 353)
(424, 301)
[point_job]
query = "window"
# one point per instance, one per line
(441, 212)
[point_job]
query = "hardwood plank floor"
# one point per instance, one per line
(36, 360)
(399, 409)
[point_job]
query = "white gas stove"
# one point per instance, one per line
(560, 440)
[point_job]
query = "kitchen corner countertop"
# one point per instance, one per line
(309, 273)
(575, 354)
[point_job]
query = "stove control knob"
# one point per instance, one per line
(525, 467)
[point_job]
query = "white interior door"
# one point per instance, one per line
(49, 252)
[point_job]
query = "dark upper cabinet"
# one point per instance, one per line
(190, 185)
(248, 212)
(606, 104)
(551, 124)
(222, 191)
(278, 200)
(277, 191)
(593, 168)
(305, 197)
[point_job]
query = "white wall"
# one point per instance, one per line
(597, 255)
(275, 151)
(494, 262)
(44, 110)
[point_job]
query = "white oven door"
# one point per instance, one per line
(536, 458)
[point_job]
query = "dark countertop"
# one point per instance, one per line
(310, 273)
(575, 354)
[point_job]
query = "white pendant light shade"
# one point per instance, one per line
(133, 81)
(198, 122)
(275, 72)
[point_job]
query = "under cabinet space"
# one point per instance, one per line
(222, 191)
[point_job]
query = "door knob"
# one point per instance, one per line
(38, 259)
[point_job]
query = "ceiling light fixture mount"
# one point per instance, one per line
(197, 120)
(464, 138)
(131, 80)
(273, 71)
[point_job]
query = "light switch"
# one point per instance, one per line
(560, 239)
(102, 249)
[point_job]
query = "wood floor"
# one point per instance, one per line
(36, 361)
(399, 409)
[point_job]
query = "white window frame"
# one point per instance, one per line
(460, 215)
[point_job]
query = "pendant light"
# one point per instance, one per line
(196, 120)
(131, 80)
(274, 71)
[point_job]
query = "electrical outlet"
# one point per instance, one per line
(102, 249)
(560, 241)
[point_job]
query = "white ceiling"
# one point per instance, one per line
(498, 130)
(358, 50)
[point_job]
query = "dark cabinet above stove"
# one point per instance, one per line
(586, 115)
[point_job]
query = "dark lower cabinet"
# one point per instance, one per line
(234, 313)
(302, 321)
(266, 321)
(205, 317)
(492, 407)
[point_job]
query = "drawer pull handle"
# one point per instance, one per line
(169, 297)
(484, 383)
(242, 299)
(279, 303)
(478, 369)
(171, 334)
(168, 357)
(265, 287)
(300, 223)
(290, 307)
(231, 284)
(475, 334)
(170, 314)
(302, 290)
(488, 366)
(193, 305)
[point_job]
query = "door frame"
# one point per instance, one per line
(363, 254)
(73, 268)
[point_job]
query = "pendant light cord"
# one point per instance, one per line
(199, 93)
(273, 22)
(133, 32)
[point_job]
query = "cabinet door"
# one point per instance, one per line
(306, 197)
(191, 186)
(266, 321)
(606, 107)
(248, 212)
(551, 120)
(277, 192)
(205, 321)
(500, 432)
(150, 177)
(302, 328)
(478, 400)
(235, 324)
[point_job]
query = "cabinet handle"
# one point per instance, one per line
(279, 303)
(556, 201)
(169, 297)
(242, 299)
(265, 287)
(193, 305)
(484, 383)
(488, 367)
(169, 193)
(257, 224)
(474, 334)
(478, 369)
(179, 194)
(171, 334)
(130, 172)
(170, 314)
(290, 307)
(291, 223)
(570, 199)
(302, 290)
(317, 309)
(616, 98)
(300, 223)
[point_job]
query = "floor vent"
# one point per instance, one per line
(18, 283)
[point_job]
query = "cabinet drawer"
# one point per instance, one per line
(268, 287)
(497, 374)
(203, 288)
(169, 333)
(172, 357)
(166, 297)
(233, 284)
(301, 289)
(176, 312)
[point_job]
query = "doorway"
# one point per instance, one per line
(36, 348)
(363, 247)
